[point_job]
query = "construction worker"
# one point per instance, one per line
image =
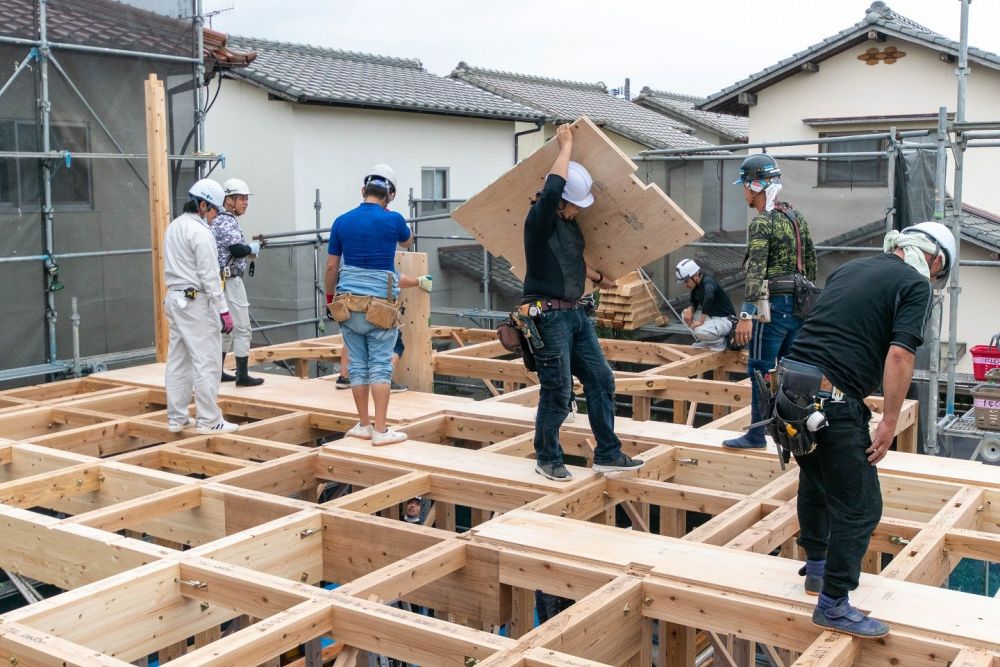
(234, 254)
(862, 333)
(779, 253)
(194, 307)
(361, 262)
(710, 314)
(555, 280)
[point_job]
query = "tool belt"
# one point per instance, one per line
(382, 313)
(793, 398)
(780, 285)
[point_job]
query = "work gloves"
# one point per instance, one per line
(227, 322)
(425, 282)
(254, 247)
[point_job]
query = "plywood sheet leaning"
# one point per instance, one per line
(629, 225)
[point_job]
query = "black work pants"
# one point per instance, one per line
(840, 500)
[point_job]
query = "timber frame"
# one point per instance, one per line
(220, 550)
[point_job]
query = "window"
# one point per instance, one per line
(853, 171)
(433, 185)
(20, 178)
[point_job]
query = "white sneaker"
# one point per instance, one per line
(175, 426)
(221, 427)
(388, 437)
(359, 431)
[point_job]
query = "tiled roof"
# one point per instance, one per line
(304, 73)
(732, 128)
(878, 17)
(981, 227)
(568, 100)
(103, 23)
(467, 260)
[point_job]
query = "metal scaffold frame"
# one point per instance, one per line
(41, 51)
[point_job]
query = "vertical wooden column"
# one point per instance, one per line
(415, 368)
(159, 201)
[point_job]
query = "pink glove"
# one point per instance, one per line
(227, 322)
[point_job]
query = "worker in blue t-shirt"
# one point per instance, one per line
(361, 261)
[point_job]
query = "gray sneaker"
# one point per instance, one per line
(623, 462)
(843, 617)
(342, 382)
(812, 584)
(556, 471)
(396, 388)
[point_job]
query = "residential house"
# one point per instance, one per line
(886, 71)
(631, 127)
(304, 120)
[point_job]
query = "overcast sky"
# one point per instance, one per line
(690, 46)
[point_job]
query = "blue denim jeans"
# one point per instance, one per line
(571, 348)
(768, 343)
(840, 500)
(370, 350)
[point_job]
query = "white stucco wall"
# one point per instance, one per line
(286, 151)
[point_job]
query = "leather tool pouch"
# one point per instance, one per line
(509, 336)
(383, 313)
(338, 307)
(794, 400)
(805, 296)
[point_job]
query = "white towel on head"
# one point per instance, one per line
(914, 246)
(772, 195)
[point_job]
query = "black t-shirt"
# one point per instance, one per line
(712, 299)
(553, 248)
(867, 305)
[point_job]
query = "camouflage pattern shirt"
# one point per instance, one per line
(771, 249)
(227, 231)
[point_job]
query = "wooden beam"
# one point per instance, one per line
(415, 368)
(159, 202)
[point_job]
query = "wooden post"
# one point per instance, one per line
(415, 368)
(159, 202)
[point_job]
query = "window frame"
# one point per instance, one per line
(431, 208)
(823, 180)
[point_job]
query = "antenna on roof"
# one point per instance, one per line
(624, 92)
(213, 9)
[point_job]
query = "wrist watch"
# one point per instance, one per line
(746, 316)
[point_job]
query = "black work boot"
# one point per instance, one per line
(242, 378)
(226, 377)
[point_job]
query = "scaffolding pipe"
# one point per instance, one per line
(318, 291)
(199, 88)
(772, 144)
(789, 156)
(64, 155)
(982, 144)
(45, 108)
(75, 319)
(955, 288)
(934, 336)
(73, 255)
(85, 48)
(32, 54)
(891, 153)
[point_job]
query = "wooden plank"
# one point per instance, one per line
(414, 368)
(159, 201)
(629, 225)
(831, 649)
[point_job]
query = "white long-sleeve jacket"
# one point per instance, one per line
(190, 260)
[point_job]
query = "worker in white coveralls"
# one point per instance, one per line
(235, 255)
(197, 313)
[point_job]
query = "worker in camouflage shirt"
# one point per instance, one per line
(779, 248)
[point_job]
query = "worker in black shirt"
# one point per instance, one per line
(555, 280)
(862, 333)
(710, 314)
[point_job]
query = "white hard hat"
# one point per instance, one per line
(578, 184)
(382, 172)
(945, 241)
(236, 186)
(686, 268)
(208, 190)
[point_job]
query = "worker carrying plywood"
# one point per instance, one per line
(862, 333)
(556, 278)
(194, 307)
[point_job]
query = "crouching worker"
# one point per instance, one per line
(710, 314)
(361, 264)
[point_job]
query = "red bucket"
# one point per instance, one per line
(984, 357)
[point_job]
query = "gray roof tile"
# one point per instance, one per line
(878, 15)
(733, 128)
(568, 100)
(305, 73)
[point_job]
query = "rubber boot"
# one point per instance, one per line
(242, 378)
(226, 377)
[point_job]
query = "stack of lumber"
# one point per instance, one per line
(630, 305)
